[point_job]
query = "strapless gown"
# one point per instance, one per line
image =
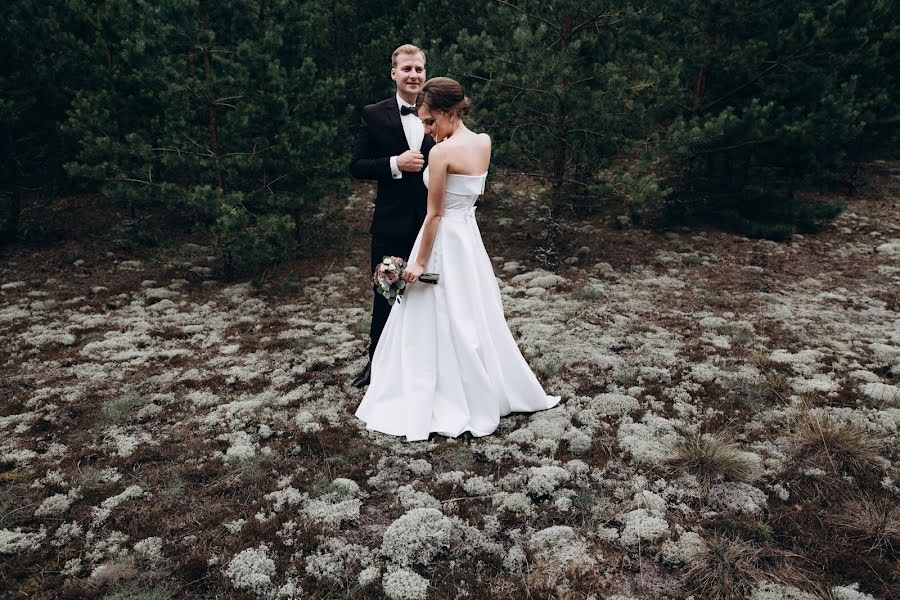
(446, 361)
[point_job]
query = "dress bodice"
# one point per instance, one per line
(461, 191)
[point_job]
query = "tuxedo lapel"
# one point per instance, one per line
(392, 114)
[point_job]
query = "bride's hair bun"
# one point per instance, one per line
(444, 94)
(465, 106)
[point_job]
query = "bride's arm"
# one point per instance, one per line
(437, 183)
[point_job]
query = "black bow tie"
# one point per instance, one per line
(408, 110)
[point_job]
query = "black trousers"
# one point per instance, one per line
(382, 247)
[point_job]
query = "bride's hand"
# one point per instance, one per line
(412, 272)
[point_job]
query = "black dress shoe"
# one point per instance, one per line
(363, 378)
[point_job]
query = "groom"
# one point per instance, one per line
(392, 149)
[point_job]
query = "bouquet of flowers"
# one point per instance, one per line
(388, 278)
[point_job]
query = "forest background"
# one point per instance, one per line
(235, 119)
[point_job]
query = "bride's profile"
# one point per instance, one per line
(446, 362)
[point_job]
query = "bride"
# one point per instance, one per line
(447, 362)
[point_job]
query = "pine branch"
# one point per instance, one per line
(758, 76)
(268, 184)
(180, 151)
(506, 85)
(221, 101)
(593, 20)
(209, 154)
(552, 25)
(131, 179)
(538, 175)
(590, 131)
(208, 150)
(745, 143)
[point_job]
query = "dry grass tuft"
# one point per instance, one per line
(809, 400)
(874, 523)
(727, 569)
(153, 593)
(713, 458)
(837, 448)
(13, 505)
(113, 580)
(749, 393)
(120, 409)
(573, 579)
(777, 385)
(759, 359)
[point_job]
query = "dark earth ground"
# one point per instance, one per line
(169, 435)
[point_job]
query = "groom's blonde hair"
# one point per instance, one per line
(405, 49)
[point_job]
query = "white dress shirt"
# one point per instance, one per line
(414, 132)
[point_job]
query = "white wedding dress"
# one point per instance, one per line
(446, 361)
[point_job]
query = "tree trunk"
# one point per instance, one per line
(553, 242)
(211, 107)
(213, 117)
(10, 230)
(746, 175)
(227, 265)
(700, 83)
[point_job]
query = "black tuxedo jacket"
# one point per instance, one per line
(400, 204)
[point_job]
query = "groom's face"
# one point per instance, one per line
(409, 75)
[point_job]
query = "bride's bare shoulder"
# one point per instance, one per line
(484, 142)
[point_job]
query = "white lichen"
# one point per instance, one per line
(251, 570)
(404, 584)
(417, 537)
(642, 526)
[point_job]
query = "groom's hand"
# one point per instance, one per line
(411, 161)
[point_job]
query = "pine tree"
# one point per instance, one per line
(562, 94)
(228, 113)
(776, 97)
(37, 80)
